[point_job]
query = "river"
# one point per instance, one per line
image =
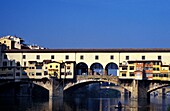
(88, 99)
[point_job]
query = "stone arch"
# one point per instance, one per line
(96, 69)
(82, 68)
(75, 86)
(159, 87)
(111, 69)
(22, 88)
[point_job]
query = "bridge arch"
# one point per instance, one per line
(24, 88)
(82, 68)
(111, 69)
(96, 69)
(158, 87)
(74, 86)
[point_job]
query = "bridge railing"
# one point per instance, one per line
(97, 77)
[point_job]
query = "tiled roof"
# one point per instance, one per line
(89, 50)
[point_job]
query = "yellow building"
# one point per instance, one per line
(12, 42)
(131, 69)
(54, 69)
(9, 43)
(164, 72)
(123, 68)
(156, 70)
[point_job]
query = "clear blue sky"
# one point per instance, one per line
(88, 23)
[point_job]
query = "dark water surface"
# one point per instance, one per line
(81, 104)
(85, 99)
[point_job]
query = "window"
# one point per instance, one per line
(68, 67)
(131, 67)
(156, 69)
(38, 74)
(24, 68)
(18, 63)
(62, 65)
(156, 63)
(68, 73)
(124, 74)
(4, 41)
(96, 57)
(38, 56)
(81, 57)
(56, 66)
(5, 56)
(11, 63)
(143, 57)
(18, 74)
(159, 57)
(165, 75)
(132, 74)
(4, 63)
(25, 63)
(24, 73)
(111, 57)
(124, 68)
(24, 56)
(127, 57)
(38, 67)
(67, 57)
(161, 75)
(45, 73)
(52, 56)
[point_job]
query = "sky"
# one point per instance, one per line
(88, 23)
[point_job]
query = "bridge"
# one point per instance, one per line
(138, 89)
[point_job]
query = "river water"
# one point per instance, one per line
(84, 100)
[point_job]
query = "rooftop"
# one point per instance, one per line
(88, 50)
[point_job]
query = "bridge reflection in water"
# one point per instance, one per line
(78, 102)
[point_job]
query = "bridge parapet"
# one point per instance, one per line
(93, 78)
(112, 79)
(157, 87)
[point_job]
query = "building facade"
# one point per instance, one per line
(150, 64)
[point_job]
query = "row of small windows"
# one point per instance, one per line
(143, 57)
(82, 57)
(131, 74)
(66, 57)
(154, 75)
(146, 68)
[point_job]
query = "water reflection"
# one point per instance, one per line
(82, 104)
(102, 100)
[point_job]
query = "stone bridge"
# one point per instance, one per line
(87, 79)
(137, 88)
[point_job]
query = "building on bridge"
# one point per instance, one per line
(143, 63)
(125, 63)
(140, 71)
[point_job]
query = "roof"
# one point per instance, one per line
(87, 50)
